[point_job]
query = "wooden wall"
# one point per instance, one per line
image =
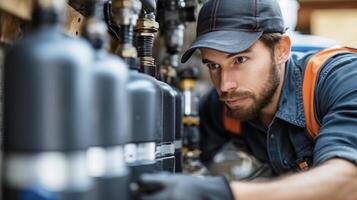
(307, 7)
(15, 16)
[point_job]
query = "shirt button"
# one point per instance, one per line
(285, 162)
(272, 136)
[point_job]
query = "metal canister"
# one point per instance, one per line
(47, 111)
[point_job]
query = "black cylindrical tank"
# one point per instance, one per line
(178, 129)
(112, 127)
(145, 94)
(112, 111)
(47, 111)
(146, 99)
(146, 28)
(166, 149)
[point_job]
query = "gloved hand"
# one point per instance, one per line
(165, 186)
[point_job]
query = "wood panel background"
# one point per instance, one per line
(307, 7)
(15, 15)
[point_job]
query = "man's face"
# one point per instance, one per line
(245, 82)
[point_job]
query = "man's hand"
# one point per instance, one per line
(166, 186)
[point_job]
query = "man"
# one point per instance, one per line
(274, 99)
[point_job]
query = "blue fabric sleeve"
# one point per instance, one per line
(336, 106)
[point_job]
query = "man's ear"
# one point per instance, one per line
(283, 49)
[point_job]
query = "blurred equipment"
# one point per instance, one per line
(145, 33)
(47, 111)
(112, 112)
(125, 14)
(166, 149)
(178, 129)
(236, 164)
(191, 135)
(82, 124)
(145, 94)
(146, 28)
(172, 16)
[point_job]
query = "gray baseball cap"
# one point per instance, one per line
(232, 26)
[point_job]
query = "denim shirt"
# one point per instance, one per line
(286, 142)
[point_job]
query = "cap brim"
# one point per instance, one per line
(224, 41)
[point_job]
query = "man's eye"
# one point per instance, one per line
(240, 59)
(212, 66)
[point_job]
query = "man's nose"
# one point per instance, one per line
(228, 81)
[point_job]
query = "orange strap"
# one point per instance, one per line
(230, 124)
(309, 82)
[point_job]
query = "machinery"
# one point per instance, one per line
(146, 28)
(191, 136)
(172, 17)
(145, 94)
(47, 111)
(82, 123)
(112, 109)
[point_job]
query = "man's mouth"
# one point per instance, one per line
(235, 101)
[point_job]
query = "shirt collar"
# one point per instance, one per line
(291, 108)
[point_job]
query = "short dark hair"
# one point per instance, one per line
(271, 39)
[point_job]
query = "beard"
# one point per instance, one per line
(259, 101)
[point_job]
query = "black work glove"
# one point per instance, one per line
(165, 186)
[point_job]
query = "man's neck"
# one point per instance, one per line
(268, 112)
